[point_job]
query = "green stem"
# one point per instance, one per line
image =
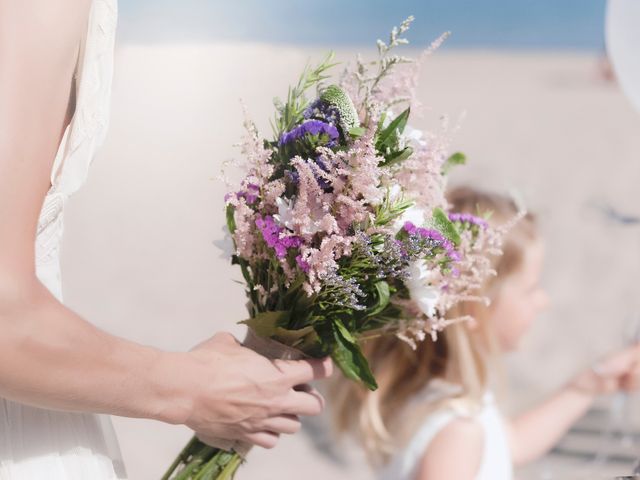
(182, 457)
(203, 456)
(208, 469)
(230, 468)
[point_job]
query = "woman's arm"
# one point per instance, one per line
(535, 432)
(49, 356)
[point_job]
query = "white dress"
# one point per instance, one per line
(37, 443)
(496, 457)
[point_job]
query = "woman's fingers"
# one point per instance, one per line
(282, 424)
(263, 439)
(304, 400)
(304, 371)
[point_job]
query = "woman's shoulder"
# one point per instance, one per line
(44, 23)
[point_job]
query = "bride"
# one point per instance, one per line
(60, 377)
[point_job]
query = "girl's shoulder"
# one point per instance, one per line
(460, 437)
(444, 421)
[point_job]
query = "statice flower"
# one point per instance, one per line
(275, 237)
(314, 128)
(433, 238)
(468, 218)
(345, 291)
(321, 110)
(386, 257)
(250, 193)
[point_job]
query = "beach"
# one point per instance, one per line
(139, 258)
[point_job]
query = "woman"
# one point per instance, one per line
(57, 371)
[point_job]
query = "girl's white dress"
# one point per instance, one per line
(496, 456)
(37, 443)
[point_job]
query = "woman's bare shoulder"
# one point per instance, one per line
(31, 22)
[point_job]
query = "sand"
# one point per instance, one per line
(139, 259)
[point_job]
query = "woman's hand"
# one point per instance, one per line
(228, 391)
(617, 371)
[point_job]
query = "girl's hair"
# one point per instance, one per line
(459, 354)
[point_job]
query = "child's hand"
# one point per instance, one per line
(617, 371)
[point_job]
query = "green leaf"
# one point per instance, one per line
(231, 221)
(349, 357)
(292, 292)
(397, 157)
(382, 298)
(265, 324)
(356, 131)
(269, 325)
(389, 136)
(290, 112)
(445, 226)
(457, 158)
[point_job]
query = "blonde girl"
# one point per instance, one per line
(434, 415)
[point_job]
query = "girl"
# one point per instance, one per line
(434, 416)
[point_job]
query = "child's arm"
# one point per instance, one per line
(455, 452)
(536, 431)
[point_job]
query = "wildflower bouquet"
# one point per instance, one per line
(340, 226)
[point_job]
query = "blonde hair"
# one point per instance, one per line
(460, 354)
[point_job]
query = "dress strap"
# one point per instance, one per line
(88, 126)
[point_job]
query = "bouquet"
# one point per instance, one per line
(340, 227)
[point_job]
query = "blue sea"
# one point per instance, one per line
(481, 24)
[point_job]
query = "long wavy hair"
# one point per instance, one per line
(462, 355)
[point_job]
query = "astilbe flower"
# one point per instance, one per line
(244, 236)
(256, 165)
(257, 156)
(311, 209)
(421, 174)
(271, 192)
(356, 178)
(322, 262)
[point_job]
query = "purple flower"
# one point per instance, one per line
(250, 194)
(410, 228)
(314, 128)
(468, 218)
(435, 237)
(303, 264)
(272, 234)
(321, 110)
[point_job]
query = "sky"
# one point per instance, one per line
(481, 24)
